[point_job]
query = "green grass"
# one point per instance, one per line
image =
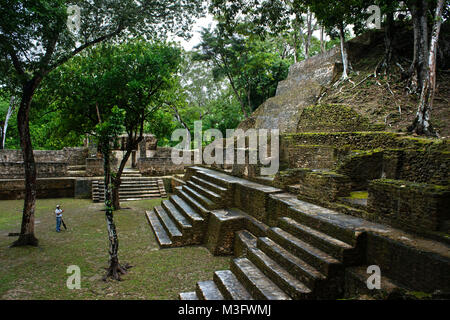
(40, 273)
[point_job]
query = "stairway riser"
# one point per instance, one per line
(208, 186)
(344, 235)
(335, 251)
(276, 278)
(203, 192)
(251, 288)
(208, 206)
(226, 294)
(214, 180)
(188, 200)
(321, 265)
(195, 223)
(180, 226)
(302, 275)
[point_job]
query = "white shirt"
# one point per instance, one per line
(58, 213)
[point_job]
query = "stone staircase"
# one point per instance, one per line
(283, 247)
(182, 219)
(297, 259)
(76, 171)
(133, 187)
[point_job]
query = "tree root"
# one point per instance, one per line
(115, 270)
(26, 240)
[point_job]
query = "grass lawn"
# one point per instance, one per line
(40, 273)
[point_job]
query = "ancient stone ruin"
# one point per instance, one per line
(348, 196)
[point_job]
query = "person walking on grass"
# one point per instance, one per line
(58, 213)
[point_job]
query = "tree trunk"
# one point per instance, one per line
(388, 39)
(11, 108)
(419, 67)
(345, 62)
(26, 236)
(238, 96)
(117, 180)
(115, 270)
(422, 121)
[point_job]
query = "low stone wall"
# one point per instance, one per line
(314, 185)
(94, 167)
(361, 167)
(310, 156)
(409, 266)
(71, 156)
(426, 166)
(253, 199)
(158, 166)
(410, 206)
(362, 141)
(15, 170)
(46, 188)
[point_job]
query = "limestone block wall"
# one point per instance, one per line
(46, 188)
(158, 166)
(15, 170)
(409, 205)
(72, 156)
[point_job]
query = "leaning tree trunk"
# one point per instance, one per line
(115, 270)
(11, 108)
(26, 236)
(422, 121)
(344, 55)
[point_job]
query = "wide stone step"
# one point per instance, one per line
(132, 195)
(320, 260)
(130, 198)
(256, 283)
(188, 296)
(297, 267)
(211, 177)
(322, 241)
(207, 290)
(207, 203)
(181, 221)
(323, 220)
(204, 192)
(168, 224)
(135, 192)
(192, 202)
(161, 236)
(294, 288)
(134, 184)
(187, 210)
(209, 185)
(230, 287)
